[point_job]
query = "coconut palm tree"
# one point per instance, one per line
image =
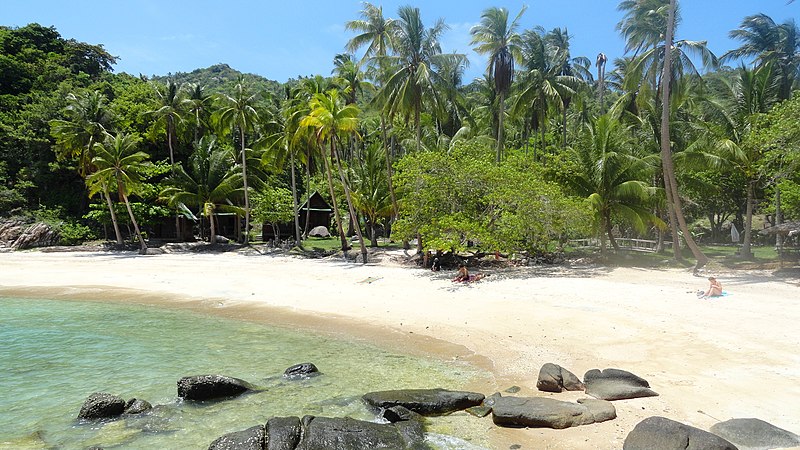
(496, 37)
(238, 112)
(370, 189)
(600, 63)
(197, 103)
(170, 112)
(88, 117)
(330, 118)
(557, 41)
(209, 183)
(613, 175)
(119, 163)
(767, 42)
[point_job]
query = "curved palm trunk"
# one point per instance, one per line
(143, 246)
(294, 202)
(336, 213)
(500, 126)
(747, 251)
(666, 153)
(673, 221)
(353, 217)
(610, 232)
(213, 239)
(114, 221)
(246, 195)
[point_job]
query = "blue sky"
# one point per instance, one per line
(280, 40)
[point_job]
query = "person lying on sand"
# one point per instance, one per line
(714, 289)
(464, 276)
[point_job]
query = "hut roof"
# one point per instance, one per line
(316, 202)
(786, 228)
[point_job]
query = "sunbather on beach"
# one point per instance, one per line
(714, 288)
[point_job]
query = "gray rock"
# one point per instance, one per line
(615, 384)
(549, 412)
(137, 406)
(207, 387)
(283, 433)
(101, 405)
(428, 402)
(660, 433)
(755, 434)
(304, 370)
(398, 414)
(253, 438)
(347, 433)
(554, 378)
(319, 231)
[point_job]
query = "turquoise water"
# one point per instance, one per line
(53, 354)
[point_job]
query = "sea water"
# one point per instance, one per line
(54, 354)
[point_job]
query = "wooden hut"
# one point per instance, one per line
(319, 213)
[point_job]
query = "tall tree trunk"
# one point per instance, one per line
(672, 219)
(666, 150)
(610, 232)
(336, 213)
(389, 169)
(353, 217)
(294, 203)
(747, 251)
(213, 238)
(143, 246)
(107, 196)
(246, 195)
(419, 126)
(778, 219)
(308, 202)
(500, 126)
(564, 131)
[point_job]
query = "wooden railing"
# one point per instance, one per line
(636, 245)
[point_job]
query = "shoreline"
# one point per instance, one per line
(723, 358)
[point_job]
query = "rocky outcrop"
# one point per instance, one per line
(660, 433)
(301, 371)
(137, 406)
(101, 405)
(427, 402)
(554, 378)
(209, 387)
(755, 434)
(253, 438)
(616, 384)
(19, 235)
(549, 412)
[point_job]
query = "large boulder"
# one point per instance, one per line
(351, 434)
(554, 378)
(101, 405)
(660, 433)
(319, 231)
(301, 371)
(253, 438)
(616, 384)
(755, 434)
(207, 387)
(549, 412)
(427, 402)
(283, 433)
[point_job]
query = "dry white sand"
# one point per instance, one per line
(736, 356)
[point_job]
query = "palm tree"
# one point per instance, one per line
(88, 116)
(119, 163)
(768, 42)
(197, 103)
(210, 183)
(612, 175)
(370, 190)
(170, 113)
(347, 70)
(495, 37)
(557, 41)
(238, 112)
(601, 77)
(330, 118)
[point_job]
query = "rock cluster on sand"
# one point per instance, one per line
(554, 378)
(660, 433)
(755, 434)
(549, 412)
(616, 384)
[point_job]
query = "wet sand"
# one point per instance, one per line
(716, 359)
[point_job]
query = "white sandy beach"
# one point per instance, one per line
(735, 356)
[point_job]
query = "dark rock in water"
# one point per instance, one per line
(550, 413)
(347, 433)
(428, 402)
(253, 438)
(283, 433)
(101, 406)
(304, 370)
(615, 384)
(554, 378)
(206, 387)
(479, 411)
(660, 433)
(137, 406)
(399, 414)
(755, 434)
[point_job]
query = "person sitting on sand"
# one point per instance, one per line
(437, 265)
(463, 273)
(714, 288)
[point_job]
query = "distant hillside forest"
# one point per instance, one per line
(547, 146)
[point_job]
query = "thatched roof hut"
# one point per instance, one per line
(786, 229)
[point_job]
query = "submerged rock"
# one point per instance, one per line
(660, 433)
(304, 370)
(616, 384)
(207, 387)
(137, 406)
(549, 412)
(428, 402)
(101, 405)
(554, 378)
(755, 434)
(253, 438)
